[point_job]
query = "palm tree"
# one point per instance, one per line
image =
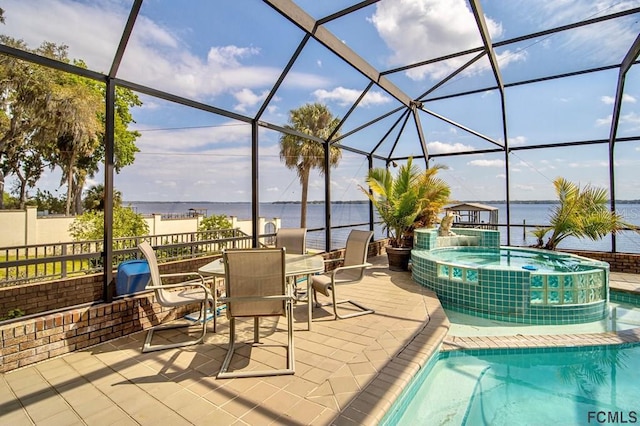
(401, 200)
(303, 154)
(94, 198)
(580, 213)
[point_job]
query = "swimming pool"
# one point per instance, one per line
(587, 385)
(513, 284)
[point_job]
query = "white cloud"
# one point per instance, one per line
(608, 49)
(412, 27)
(631, 119)
(517, 140)
(247, 98)
(343, 96)
(156, 56)
(524, 187)
(437, 147)
(609, 100)
(486, 163)
(90, 182)
(186, 140)
(501, 176)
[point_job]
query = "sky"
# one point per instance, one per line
(231, 53)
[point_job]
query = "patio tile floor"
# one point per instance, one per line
(347, 371)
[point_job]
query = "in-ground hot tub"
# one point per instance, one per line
(511, 284)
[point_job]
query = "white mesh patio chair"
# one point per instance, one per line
(351, 271)
(256, 287)
(193, 292)
(293, 239)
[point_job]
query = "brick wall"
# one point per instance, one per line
(51, 295)
(60, 294)
(29, 340)
(618, 262)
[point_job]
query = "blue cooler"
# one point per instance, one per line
(133, 276)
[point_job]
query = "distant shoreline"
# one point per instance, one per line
(361, 202)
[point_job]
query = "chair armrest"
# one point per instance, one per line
(255, 298)
(338, 259)
(185, 284)
(344, 268)
(183, 274)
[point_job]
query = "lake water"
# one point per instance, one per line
(356, 213)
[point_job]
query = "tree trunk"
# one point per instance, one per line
(77, 198)
(22, 190)
(70, 166)
(1, 190)
(304, 181)
(23, 193)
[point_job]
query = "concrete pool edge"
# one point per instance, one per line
(377, 398)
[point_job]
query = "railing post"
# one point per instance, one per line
(138, 240)
(63, 266)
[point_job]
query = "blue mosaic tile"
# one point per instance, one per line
(510, 294)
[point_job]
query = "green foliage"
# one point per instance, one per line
(90, 225)
(45, 201)
(580, 213)
(216, 227)
(49, 118)
(402, 199)
(13, 313)
(215, 222)
(9, 202)
(94, 198)
(302, 154)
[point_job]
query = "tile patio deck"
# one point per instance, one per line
(347, 371)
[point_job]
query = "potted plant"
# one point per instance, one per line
(401, 200)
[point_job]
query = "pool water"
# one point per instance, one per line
(559, 386)
(620, 317)
(532, 260)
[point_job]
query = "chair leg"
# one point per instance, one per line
(224, 372)
(290, 355)
(334, 303)
(147, 347)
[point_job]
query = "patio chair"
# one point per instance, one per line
(293, 239)
(177, 295)
(256, 287)
(351, 271)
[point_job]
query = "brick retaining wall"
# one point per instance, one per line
(30, 340)
(48, 296)
(618, 262)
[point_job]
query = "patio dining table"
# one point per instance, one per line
(295, 265)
